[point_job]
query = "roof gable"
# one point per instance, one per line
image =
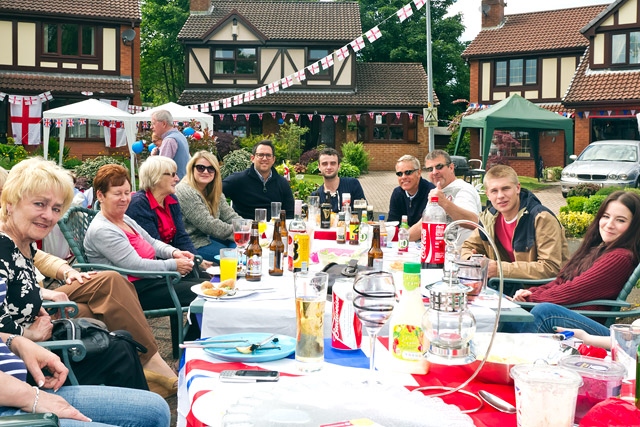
(282, 20)
(221, 24)
(521, 33)
(593, 25)
(127, 10)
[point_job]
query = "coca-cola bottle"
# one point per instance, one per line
(434, 221)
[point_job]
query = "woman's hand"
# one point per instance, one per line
(49, 402)
(40, 330)
(206, 264)
(184, 265)
(183, 254)
(36, 358)
(74, 275)
(522, 295)
(49, 295)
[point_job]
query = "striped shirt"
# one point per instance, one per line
(9, 363)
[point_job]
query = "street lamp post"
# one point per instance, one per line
(429, 71)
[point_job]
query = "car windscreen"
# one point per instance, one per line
(610, 152)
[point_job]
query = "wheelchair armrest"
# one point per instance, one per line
(67, 309)
(76, 348)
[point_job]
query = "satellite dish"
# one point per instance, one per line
(485, 9)
(128, 36)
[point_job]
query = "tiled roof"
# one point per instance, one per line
(535, 32)
(284, 20)
(113, 9)
(379, 85)
(589, 86)
(63, 83)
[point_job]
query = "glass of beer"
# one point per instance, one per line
(311, 295)
(228, 264)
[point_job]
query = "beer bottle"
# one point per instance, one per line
(284, 233)
(297, 226)
(325, 211)
(276, 250)
(254, 255)
(341, 230)
(354, 230)
(375, 253)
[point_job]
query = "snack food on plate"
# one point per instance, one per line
(206, 285)
(215, 292)
(228, 284)
(217, 289)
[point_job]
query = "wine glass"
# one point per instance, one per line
(374, 299)
(241, 232)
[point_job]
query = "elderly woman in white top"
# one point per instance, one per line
(207, 215)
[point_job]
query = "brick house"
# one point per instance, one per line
(235, 47)
(536, 56)
(68, 47)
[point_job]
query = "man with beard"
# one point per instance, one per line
(329, 165)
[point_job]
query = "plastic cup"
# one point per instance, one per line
(545, 395)
(391, 233)
(275, 210)
(228, 264)
(625, 340)
(311, 296)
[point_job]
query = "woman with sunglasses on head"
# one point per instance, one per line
(207, 215)
(155, 207)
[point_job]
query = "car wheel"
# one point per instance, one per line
(564, 194)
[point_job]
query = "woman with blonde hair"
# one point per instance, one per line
(207, 215)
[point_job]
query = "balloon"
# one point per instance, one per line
(188, 131)
(137, 147)
(151, 147)
(197, 135)
(280, 121)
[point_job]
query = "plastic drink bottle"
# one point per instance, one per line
(434, 221)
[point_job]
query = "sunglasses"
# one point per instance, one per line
(171, 174)
(406, 173)
(202, 168)
(439, 166)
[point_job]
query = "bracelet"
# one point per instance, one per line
(9, 341)
(35, 401)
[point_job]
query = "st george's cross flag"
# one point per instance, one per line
(114, 137)
(25, 122)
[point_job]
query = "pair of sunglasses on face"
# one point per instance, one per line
(202, 168)
(439, 166)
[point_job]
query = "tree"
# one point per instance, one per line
(406, 42)
(162, 60)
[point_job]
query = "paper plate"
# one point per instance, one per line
(213, 270)
(286, 343)
(196, 289)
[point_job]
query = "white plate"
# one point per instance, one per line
(213, 270)
(392, 223)
(239, 294)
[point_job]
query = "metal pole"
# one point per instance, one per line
(429, 71)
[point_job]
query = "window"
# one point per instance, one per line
(510, 144)
(517, 72)
(316, 55)
(238, 127)
(235, 61)
(624, 50)
(387, 128)
(619, 48)
(69, 39)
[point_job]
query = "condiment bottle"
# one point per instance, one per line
(364, 228)
(325, 211)
(383, 231)
(284, 233)
(341, 229)
(254, 255)
(403, 235)
(276, 251)
(406, 336)
(374, 256)
(434, 221)
(297, 226)
(354, 230)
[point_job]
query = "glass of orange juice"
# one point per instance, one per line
(261, 218)
(228, 264)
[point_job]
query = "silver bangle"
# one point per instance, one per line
(35, 401)
(9, 341)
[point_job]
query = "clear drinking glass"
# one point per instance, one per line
(374, 300)
(241, 232)
(625, 340)
(275, 210)
(261, 219)
(314, 209)
(311, 297)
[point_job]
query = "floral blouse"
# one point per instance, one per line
(23, 301)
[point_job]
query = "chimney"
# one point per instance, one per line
(492, 12)
(199, 6)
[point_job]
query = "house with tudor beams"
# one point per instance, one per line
(539, 56)
(235, 47)
(67, 47)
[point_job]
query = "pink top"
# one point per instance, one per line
(142, 247)
(504, 233)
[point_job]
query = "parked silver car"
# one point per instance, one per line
(605, 163)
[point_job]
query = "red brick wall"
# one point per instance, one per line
(582, 137)
(125, 62)
(474, 82)
(384, 156)
(493, 15)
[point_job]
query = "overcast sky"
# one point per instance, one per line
(471, 10)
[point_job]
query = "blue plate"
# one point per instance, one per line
(286, 343)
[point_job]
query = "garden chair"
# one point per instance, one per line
(617, 305)
(74, 225)
(30, 420)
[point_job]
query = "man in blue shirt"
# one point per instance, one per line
(329, 165)
(411, 195)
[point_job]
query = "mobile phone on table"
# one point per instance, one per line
(246, 376)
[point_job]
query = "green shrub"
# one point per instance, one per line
(11, 155)
(235, 161)
(575, 223)
(585, 189)
(288, 142)
(348, 170)
(302, 189)
(249, 141)
(556, 172)
(605, 191)
(280, 168)
(89, 168)
(355, 154)
(53, 151)
(312, 168)
(593, 203)
(71, 163)
(564, 209)
(576, 203)
(633, 190)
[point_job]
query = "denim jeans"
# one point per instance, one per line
(547, 315)
(111, 406)
(212, 249)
